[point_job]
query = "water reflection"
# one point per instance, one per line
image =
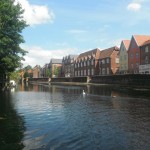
(11, 124)
(59, 117)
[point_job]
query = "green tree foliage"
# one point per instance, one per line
(26, 74)
(48, 73)
(56, 71)
(11, 26)
(14, 76)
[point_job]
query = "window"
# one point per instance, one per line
(103, 71)
(75, 73)
(92, 71)
(146, 60)
(92, 62)
(103, 61)
(137, 65)
(107, 70)
(84, 63)
(81, 72)
(132, 66)
(146, 49)
(100, 72)
(78, 73)
(99, 62)
(117, 60)
(137, 55)
(88, 62)
(131, 55)
(78, 65)
(107, 60)
(85, 72)
(88, 72)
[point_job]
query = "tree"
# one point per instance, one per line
(15, 76)
(26, 74)
(11, 26)
(48, 73)
(56, 71)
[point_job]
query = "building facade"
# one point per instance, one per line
(144, 67)
(109, 61)
(86, 63)
(55, 67)
(44, 71)
(36, 71)
(123, 57)
(134, 52)
(68, 65)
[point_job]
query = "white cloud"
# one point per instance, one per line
(134, 6)
(35, 14)
(39, 56)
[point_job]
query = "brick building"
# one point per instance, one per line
(134, 52)
(109, 61)
(68, 65)
(87, 63)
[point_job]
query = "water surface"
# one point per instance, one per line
(57, 117)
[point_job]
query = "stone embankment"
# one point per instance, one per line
(125, 80)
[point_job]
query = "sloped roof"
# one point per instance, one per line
(146, 42)
(88, 53)
(126, 43)
(140, 39)
(107, 52)
(56, 61)
(73, 56)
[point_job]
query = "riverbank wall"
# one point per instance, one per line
(127, 79)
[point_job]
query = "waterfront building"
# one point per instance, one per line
(144, 67)
(68, 65)
(134, 52)
(86, 63)
(109, 61)
(44, 71)
(36, 71)
(55, 67)
(123, 57)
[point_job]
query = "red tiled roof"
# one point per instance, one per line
(107, 52)
(126, 43)
(140, 39)
(88, 53)
(146, 42)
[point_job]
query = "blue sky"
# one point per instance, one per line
(62, 27)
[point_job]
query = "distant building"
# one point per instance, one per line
(123, 57)
(44, 71)
(36, 71)
(87, 63)
(55, 67)
(144, 67)
(68, 65)
(109, 61)
(134, 52)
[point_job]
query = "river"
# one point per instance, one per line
(60, 117)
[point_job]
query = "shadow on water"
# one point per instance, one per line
(11, 124)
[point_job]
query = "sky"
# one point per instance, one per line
(58, 28)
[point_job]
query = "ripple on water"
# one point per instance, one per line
(62, 118)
